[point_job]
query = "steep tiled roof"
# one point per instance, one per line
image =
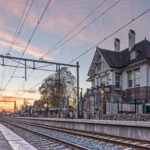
(122, 59)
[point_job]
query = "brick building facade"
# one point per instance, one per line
(119, 76)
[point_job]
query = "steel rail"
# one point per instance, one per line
(130, 142)
(68, 144)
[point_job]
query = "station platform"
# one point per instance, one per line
(11, 141)
(126, 129)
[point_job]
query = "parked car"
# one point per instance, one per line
(126, 112)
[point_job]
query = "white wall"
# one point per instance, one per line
(149, 75)
(112, 74)
(101, 71)
(143, 73)
(124, 79)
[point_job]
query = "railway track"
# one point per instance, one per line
(128, 142)
(63, 142)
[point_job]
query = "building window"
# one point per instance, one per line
(130, 79)
(132, 55)
(99, 67)
(104, 80)
(117, 80)
(95, 81)
(137, 77)
(99, 81)
(93, 84)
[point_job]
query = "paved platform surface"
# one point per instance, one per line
(4, 145)
(10, 141)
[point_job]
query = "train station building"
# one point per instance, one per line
(120, 76)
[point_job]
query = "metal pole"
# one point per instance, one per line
(81, 104)
(59, 91)
(135, 106)
(47, 108)
(81, 92)
(3, 62)
(33, 64)
(25, 70)
(78, 86)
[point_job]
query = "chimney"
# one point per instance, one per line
(117, 45)
(131, 39)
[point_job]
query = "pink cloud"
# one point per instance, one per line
(12, 7)
(59, 22)
(6, 36)
(32, 49)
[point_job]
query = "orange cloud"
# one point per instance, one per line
(59, 23)
(17, 92)
(28, 91)
(20, 46)
(6, 36)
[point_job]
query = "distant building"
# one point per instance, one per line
(120, 76)
(12, 104)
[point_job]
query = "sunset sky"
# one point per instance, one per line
(60, 17)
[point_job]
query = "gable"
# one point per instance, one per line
(120, 59)
(99, 64)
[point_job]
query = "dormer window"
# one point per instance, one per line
(132, 55)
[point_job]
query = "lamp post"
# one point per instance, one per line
(102, 98)
(80, 103)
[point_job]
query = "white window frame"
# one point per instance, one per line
(132, 55)
(106, 80)
(116, 73)
(137, 78)
(128, 78)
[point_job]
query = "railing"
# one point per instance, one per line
(126, 117)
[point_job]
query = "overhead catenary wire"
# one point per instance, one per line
(32, 87)
(18, 27)
(77, 25)
(104, 12)
(110, 35)
(86, 26)
(16, 34)
(27, 44)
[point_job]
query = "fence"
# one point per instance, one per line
(115, 108)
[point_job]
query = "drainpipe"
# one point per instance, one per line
(147, 88)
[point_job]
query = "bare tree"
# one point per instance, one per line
(57, 86)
